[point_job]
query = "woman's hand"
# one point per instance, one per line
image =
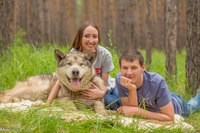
(94, 92)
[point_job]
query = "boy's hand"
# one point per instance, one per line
(126, 82)
(128, 110)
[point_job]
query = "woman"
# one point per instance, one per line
(87, 40)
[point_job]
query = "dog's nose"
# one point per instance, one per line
(75, 72)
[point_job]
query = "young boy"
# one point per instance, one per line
(146, 94)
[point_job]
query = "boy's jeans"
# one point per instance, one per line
(112, 100)
(188, 107)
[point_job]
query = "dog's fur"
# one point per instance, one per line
(75, 73)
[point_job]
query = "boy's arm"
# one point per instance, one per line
(54, 92)
(126, 101)
(132, 99)
(166, 112)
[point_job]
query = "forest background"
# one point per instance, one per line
(166, 31)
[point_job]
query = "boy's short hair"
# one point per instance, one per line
(131, 55)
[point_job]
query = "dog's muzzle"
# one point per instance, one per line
(75, 81)
(75, 73)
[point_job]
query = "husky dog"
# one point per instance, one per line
(75, 73)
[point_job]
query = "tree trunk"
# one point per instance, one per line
(149, 34)
(6, 22)
(124, 25)
(70, 21)
(193, 45)
(181, 29)
(171, 39)
(108, 22)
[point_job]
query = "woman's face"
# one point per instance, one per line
(89, 40)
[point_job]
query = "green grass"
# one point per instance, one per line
(22, 60)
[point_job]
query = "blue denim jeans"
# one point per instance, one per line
(189, 107)
(112, 100)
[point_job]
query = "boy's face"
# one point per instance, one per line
(133, 71)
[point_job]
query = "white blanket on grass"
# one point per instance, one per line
(125, 121)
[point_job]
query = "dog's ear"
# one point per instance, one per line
(91, 57)
(58, 55)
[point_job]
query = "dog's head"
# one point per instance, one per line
(72, 67)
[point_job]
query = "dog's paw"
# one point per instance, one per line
(102, 112)
(99, 108)
(15, 100)
(9, 99)
(38, 104)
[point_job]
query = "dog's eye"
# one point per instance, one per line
(81, 64)
(69, 63)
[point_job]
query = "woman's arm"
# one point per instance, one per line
(54, 92)
(105, 76)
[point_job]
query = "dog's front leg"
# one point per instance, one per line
(4, 98)
(99, 108)
(67, 103)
